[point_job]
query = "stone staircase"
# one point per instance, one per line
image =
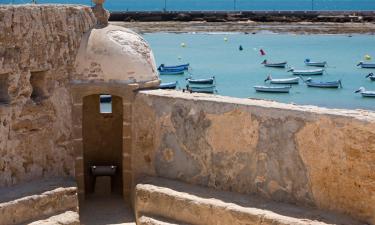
(158, 201)
(52, 201)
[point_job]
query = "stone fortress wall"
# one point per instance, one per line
(298, 154)
(38, 47)
(302, 155)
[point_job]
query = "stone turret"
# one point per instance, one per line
(100, 13)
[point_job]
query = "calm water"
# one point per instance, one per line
(237, 72)
(188, 5)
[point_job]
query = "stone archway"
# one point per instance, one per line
(125, 92)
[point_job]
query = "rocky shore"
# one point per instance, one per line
(251, 27)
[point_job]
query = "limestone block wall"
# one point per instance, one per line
(305, 155)
(38, 47)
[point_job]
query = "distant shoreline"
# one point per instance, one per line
(250, 27)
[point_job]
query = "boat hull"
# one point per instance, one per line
(276, 65)
(364, 94)
(172, 72)
(368, 66)
(178, 67)
(316, 64)
(285, 81)
(171, 85)
(201, 81)
(323, 85)
(307, 73)
(272, 89)
(202, 89)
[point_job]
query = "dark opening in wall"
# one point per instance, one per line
(4, 85)
(38, 83)
(105, 103)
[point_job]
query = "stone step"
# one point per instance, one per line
(147, 220)
(38, 199)
(66, 218)
(196, 205)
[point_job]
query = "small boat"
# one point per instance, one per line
(366, 65)
(105, 98)
(182, 66)
(201, 81)
(276, 65)
(371, 76)
(308, 62)
(271, 89)
(365, 93)
(307, 72)
(171, 71)
(323, 84)
(170, 85)
(201, 89)
(293, 80)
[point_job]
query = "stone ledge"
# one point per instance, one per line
(364, 115)
(67, 218)
(37, 199)
(197, 205)
(146, 220)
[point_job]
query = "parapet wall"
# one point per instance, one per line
(299, 154)
(38, 47)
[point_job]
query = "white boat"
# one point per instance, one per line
(366, 65)
(275, 65)
(308, 62)
(365, 93)
(271, 89)
(306, 72)
(293, 80)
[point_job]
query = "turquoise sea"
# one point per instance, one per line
(237, 71)
(219, 5)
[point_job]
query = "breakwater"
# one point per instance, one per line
(258, 16)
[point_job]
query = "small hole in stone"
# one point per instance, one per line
(105, 103)
(38, 83)
(4, 85)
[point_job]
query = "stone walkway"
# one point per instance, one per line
(110, 210)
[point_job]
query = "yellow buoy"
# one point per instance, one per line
(367, 57)
(183, 45)
(225, 39)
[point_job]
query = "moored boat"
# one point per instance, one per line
(293, 80)
(308, 62)
(171, 71)
(365, 93)
(169, 85)
(366, 65)
(201, 81)
(275, 65)
(323, 84)
(182, 66)
(202, 89)
(273, 89)
(371, 76)
(306, 72)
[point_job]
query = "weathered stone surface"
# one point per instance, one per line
(66, 218)
(145, 220)
(176, 201)
(35, 200)
(38, 47)
(298, 154)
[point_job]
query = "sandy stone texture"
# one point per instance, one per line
(296, 154)
(38, 47)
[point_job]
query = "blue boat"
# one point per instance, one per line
(171, 71)
(366, 65)
(308, 62)
(170, 85)
(323, 84)
(178, 67)
(371, 76)
(201, 81)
